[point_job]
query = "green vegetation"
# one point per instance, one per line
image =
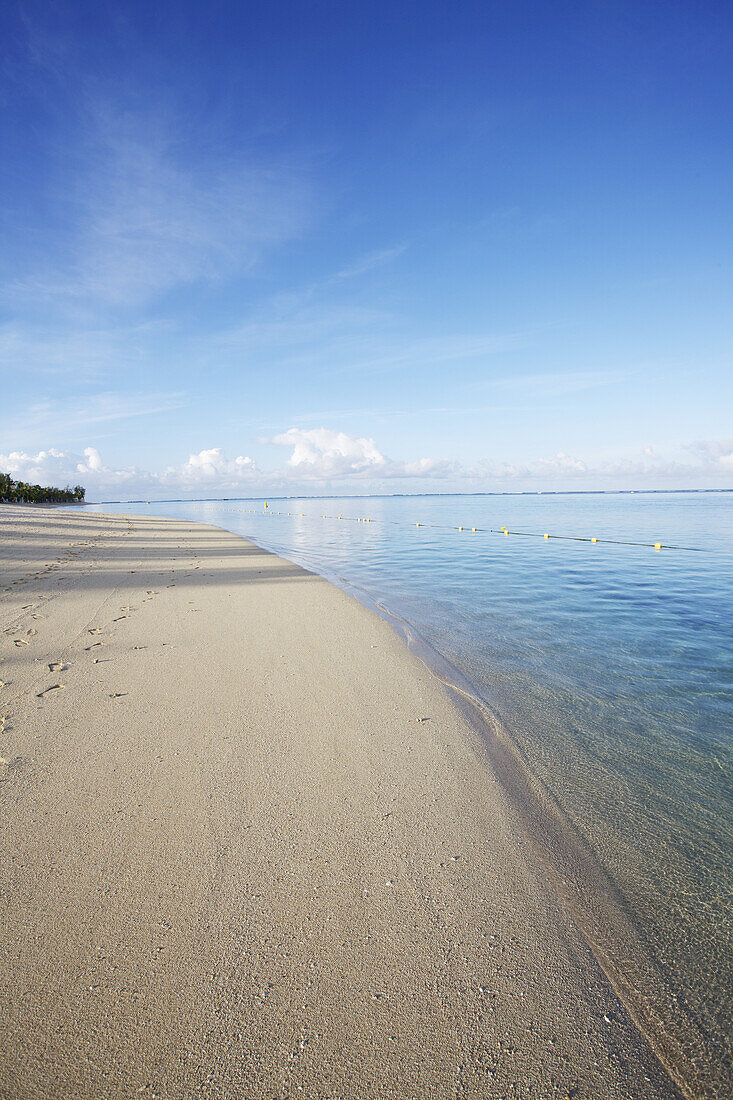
(16, 492)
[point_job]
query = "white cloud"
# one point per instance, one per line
(208, 469)
(322, 454)
(49, 466)
(426, 467)
(211, 467)
(93, 461)
(562, 463)
(716, 451)
(330, 460)
(60, 468)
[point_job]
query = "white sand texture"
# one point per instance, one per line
(253, 849)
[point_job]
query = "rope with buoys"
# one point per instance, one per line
(547, 536)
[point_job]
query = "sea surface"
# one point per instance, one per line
(609, 665)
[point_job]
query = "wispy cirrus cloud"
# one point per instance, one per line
(42, 419)
(370, 261)
(551, 383)
(342, 338)
(88, 353)
(147, 212)
(144, 202)
(143, 208)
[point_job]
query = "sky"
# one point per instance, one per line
(299, 246)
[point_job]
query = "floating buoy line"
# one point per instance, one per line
(506, 531)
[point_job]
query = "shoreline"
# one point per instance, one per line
(596, 904)
(354, 908)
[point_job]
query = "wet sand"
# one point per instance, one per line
(253, 849)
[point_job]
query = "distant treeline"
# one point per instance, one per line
(20, 492)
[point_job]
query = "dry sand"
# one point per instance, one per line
(252, 849)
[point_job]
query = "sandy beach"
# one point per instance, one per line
(253, 849)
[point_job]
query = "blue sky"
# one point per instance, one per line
(366, 246)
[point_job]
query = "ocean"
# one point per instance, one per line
(608, 669)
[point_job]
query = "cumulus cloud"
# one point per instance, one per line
(92, 461)
(45, 466)
(208, 469)
(562, 463)
(211, 466)
(322, 454)
(717, 451)
(60, 468)
(322, 459)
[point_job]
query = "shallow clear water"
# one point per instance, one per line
(609, 665)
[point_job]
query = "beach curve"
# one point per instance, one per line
(255, 849)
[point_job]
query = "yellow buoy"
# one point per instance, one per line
(460, 528)
(594, 540)
(418, 524)
(474, 529)
(546, 536)
(657, 546)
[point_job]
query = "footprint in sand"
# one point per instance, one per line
(88, 647)
(31, 633)
(53, 687)
(127, 609)
(94, 630)
(21, 642)
(120, 617)
(57, 666)
(117, 694)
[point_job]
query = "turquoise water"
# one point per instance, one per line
(608, 665)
